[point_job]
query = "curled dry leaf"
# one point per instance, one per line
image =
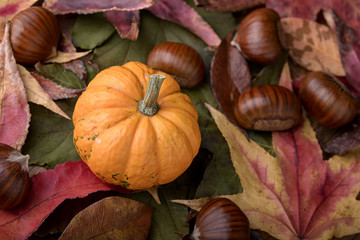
(54, 90)
(349, 11)
(229, 75)
(36, 94)
(228, 5)
(285, 77)
(64, 57)
(295, 195)
(311, 45)
(126, 23)
(349, 45)
(14, 109)
(49, 189)
(297, 8)
(9, 8)
(181, 13)
(111, 218)
(340, 140)
(92, 6)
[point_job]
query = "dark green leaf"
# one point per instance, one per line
(91, 31)
(49, 141)
(271, 73)
(60, 75)
(220, 177)
(153, 31)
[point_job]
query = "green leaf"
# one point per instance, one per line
(153, 31)
(49, 141)
(271, 73)
(220, 177)
(91, 30)
(60, 75)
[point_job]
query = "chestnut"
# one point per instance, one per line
(327, 100)
(14, 177)
(179, 60)
(220, 219)
(258, 38)
(268, 108)
(35, 33)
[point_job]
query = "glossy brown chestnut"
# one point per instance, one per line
(180, 60)
(268, 108)
(14, 177)
(327, 100)
(221, 219)
(257, 36)
(35, 34)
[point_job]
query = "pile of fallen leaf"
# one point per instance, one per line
(298, 184)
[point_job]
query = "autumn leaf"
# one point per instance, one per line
(63, 57)
(228, 5)
(181, 13)
(9, 8)
(349, 50)
(311, 45)
(48, 189)
(297, 8)
(36, 94)
(14, 109)
(126, 23)
(117, 218)
(54, 90)
(295, 195)
(229, 75)
(91, 6)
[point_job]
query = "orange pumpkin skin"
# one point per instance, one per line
(124, 147)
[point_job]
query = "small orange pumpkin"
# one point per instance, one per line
(122, 145)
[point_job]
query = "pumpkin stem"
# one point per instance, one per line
(149, 106)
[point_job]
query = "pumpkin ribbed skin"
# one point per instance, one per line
(124, 147)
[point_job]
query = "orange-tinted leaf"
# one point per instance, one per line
(311, 45)
(111, 218)
(180, 12)
(9, 8)
(228, 5)
(14, 109)
(295, 195)
(49, 189)
(229, 75)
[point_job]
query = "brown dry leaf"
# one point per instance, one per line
(14, 109)
(64, 57)
(111, 218)
(311, 45)
(36, 94)
(229, 75)
(285, 78)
